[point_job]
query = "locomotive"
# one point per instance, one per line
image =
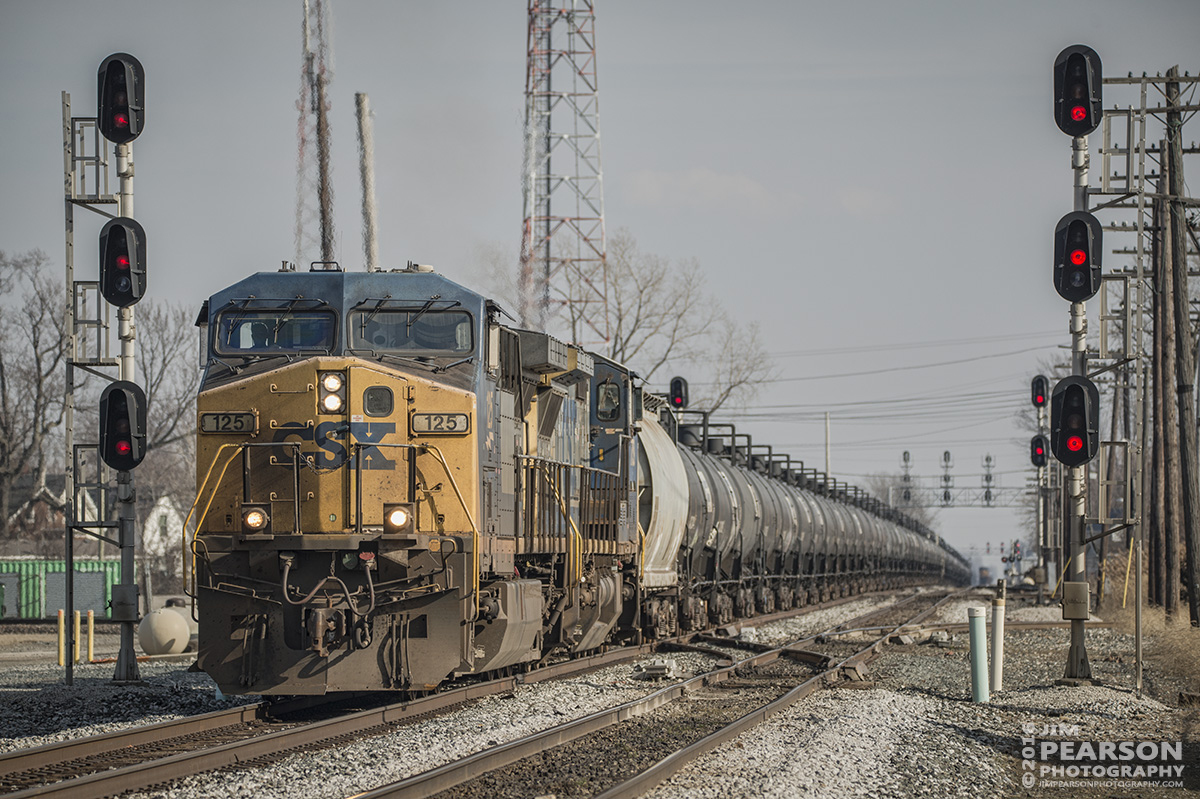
(396, 489)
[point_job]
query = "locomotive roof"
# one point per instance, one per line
(344, 290)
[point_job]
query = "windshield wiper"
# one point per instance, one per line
(413, 319)
(233, 325)
(283, 317)
(421, 360)
(467, 359)
(231, 367)
(378, 306)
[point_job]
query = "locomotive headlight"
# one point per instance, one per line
(332, 392)
(398, 518)
(256, 519)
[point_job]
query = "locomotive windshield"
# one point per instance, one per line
(268, 332)
(412, 331)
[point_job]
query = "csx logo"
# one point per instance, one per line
(332, 446)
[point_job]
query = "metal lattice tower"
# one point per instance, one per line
(563, 268)
(314, 187)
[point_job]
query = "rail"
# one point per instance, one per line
(105, 780)
(450, 775)
(646, 779)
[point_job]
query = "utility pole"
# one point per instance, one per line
(1108, 496)
(1173, 517)
(1185, 348)
(827, 471)
(1158, 471)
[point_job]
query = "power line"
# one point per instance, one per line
(912, 345)
(913, 367)
(890, 369)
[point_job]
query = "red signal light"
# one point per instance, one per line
(1041, 399)
(122, 261)
(121, 120)
(1074, 443)
(1078, 113)
(124, 447)
(1078, 257)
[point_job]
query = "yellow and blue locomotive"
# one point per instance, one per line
(395, 488)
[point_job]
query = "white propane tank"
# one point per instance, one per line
(163, 632)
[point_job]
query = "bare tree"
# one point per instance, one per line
(32, 350)
(166, 358)
(740, 364)
(659, 314)
(658, 309)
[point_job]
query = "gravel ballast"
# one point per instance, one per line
(912, 732)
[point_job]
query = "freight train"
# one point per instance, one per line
(396, 489)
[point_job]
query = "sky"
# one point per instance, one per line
(875, 183)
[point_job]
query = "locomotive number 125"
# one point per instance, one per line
(245, 422)
(435, 423)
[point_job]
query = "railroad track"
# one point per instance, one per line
(733, 697)
(143, 757)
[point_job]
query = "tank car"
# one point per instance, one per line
(395, 488)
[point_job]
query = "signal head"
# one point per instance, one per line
(678, 393)
(1078, 243)
(122, 261)
(122, 425)
(1040, 388)
(1075, 420)
(1078, 89)
(120, 98)
(1038, 449)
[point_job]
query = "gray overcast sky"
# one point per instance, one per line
(851, 175)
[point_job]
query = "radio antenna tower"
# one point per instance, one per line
(314, 188)
(562, 249)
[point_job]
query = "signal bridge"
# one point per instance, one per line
(917, 497)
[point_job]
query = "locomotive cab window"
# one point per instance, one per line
(608, 401)
(412, 331)
(270, 332)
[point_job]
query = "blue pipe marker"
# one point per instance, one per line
(979, 664)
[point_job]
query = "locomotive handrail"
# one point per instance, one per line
(470, 518)
(200, 521)
(565, 465)
(356, 449)
(587, 473)
(240, 448)
(575, 559)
